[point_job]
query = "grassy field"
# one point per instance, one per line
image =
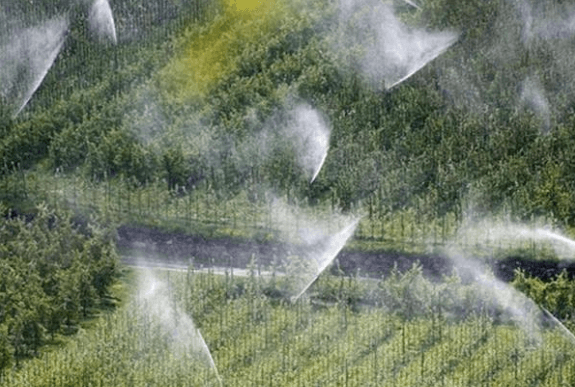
(258, 338)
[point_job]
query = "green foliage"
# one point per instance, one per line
(474, 18)
(557, 296)
(409, 157)
(52, 274)
(256, 338)
(455, 132)
(177, 171)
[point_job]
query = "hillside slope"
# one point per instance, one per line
(488, 124)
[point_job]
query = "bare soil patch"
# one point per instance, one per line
(153, 245)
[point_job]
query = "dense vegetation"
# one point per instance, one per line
(183, 119)
(54, 272)
(412, 335)
(557, 296)
(187, 103)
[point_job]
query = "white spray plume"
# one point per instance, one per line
(322, 254)
(521, 32)
(27, 57)
(546, 23)
(526, 12)
(564, 329)
(515, 305)
(393, 52)
(527, 30)
(490, 234)
(413, 4)
(101, 21)
(317, 242)
(185, 338)
(310, 135)
(310, 225)
(563, 246)
(533, 96)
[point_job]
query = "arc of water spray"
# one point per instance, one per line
(424, 59)
(160, 306)
(412, 4)
(514, 303)
(560, 238)
(322, 161)
(209, 354)
(101, 19)
(310, 134)
(564, 329)
(503, 291)
(397, 51)
(43, 53)
(511, 233)
(324, 258)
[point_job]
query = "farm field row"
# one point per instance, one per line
(257, 338)
(200, 121)
(213, 214)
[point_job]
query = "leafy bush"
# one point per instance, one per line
(557, 296)
(52, 275)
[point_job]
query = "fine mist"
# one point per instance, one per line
(490, 236)
(526, 34)
(533, 97)
(26, 59)
(101, 21)
(487, 236)
(514, 305)
(183, 338)
(546, 21)
(393, 52)
(319, 239)
(321, 254)
(310, 135)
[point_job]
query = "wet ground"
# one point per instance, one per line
(156, 247)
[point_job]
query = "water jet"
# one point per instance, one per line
(310, 135)
(392, 51)
(409, 2)
(101, 21)
(186, 339)
(322, 255)
(28, 57)
(564, 329)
